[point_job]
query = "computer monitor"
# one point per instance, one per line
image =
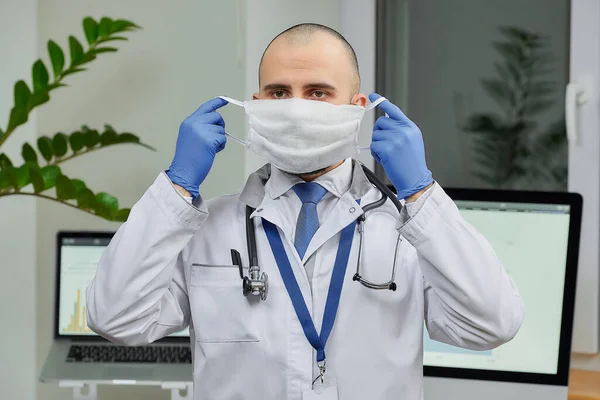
(536, 236)
(78, 256)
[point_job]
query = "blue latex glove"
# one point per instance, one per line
(201, 137)
(398, 146)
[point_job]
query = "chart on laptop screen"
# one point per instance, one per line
(531, 241)
(79, 259)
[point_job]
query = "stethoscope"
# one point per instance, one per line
(257, 284)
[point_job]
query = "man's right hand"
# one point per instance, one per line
(201, 137)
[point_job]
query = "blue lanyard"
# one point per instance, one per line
(335, 286)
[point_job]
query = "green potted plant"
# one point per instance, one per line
(511, 151)
(39, 174)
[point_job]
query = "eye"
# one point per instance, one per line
(319, 94)
(278, 94)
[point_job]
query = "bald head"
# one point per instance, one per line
(313, 47)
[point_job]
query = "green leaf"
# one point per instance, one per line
(122, 215)
(18, 116)
(22, 94)
(537, 63)
(105, 27)
(77, 141)
(104, 212)
(45, 146)
(91, 138)
(536, 106)
(20, 177)
(489, 179)
(89, 56)
(57, 58)
(79, 185)
(36, 179)
(521, 35)
(5, 162)
(86, 199)
(109, 137)
(90, 27)
(50, 174)
(128, 138)
(4, 181)
(483, 123)
(108, 201)
(99, 50)
(512, 52)
(29, 154)
(122, 25)
(76, 50)
(38, 98)
(40, 77)
(540, 89)
(60, 144)
(65, 189)
(508, 73)
(499, 90)
(112, 38)
(72, 71)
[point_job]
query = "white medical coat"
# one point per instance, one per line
(170, 265)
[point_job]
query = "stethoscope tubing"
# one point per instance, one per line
(386, 193)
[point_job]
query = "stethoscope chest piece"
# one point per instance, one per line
(256, 284)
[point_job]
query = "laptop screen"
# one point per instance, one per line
(531, 240)
(79, 256)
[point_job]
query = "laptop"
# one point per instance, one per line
(536, 236)
(77, 353)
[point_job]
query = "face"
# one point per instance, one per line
(319, 69)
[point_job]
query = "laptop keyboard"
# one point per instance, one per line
(125, 354)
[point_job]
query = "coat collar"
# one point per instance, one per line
(257, 185)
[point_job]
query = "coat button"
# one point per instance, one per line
(352, 209)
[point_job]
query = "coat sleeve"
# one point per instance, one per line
(470, 301)
(138, 294)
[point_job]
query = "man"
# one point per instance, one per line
(170, 264)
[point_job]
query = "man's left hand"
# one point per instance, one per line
(398, 146)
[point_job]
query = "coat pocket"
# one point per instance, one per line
(220, 311)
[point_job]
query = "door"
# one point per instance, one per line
(486, 81)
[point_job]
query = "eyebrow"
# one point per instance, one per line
(315, 85)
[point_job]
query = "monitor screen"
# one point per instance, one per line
(531, 240)
(79, 258)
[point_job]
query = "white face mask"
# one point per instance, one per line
(300, 136)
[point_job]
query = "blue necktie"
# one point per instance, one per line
(310, 193)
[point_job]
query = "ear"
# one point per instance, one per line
(255, 96)
(359, 99)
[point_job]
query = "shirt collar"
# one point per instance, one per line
(337, 181)
(347, 177)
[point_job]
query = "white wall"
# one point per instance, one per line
(17, 214)
(185, 54)
(358, 25)
(584, 168)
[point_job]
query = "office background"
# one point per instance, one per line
(187, 52)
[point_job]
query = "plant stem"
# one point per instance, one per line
(43, 196)
(80, 153)
(76, 155)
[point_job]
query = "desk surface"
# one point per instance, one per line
(584, 385)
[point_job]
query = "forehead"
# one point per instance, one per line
(319, 57)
